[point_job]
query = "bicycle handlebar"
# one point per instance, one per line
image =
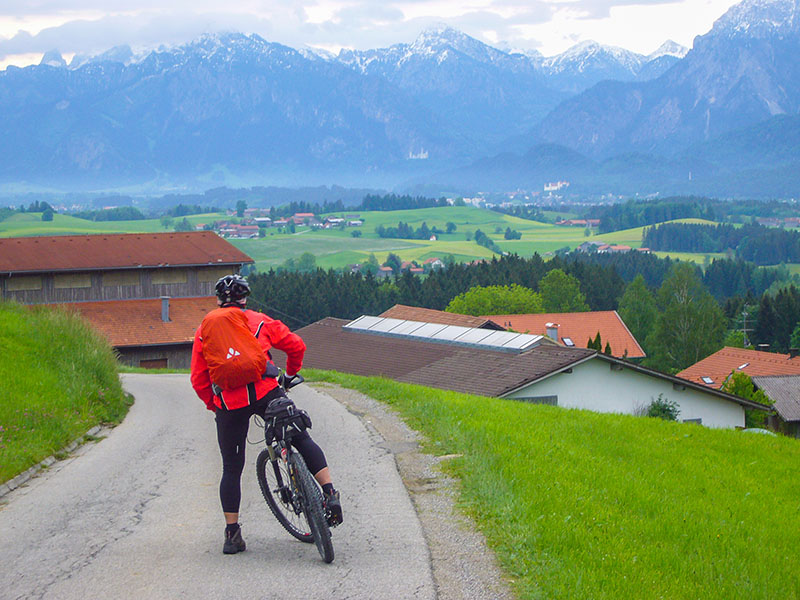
(290, 381)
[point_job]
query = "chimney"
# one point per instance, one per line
(763, 347)
(165, 309)
(552, 330)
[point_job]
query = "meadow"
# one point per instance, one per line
(334, 248)
(582, 505)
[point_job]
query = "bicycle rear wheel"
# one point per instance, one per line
(315, 513)
(283, 501)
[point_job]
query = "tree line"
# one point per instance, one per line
(404, 231)
(752, 242)
(399, 202)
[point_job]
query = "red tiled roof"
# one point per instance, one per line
(429, 315)
(138, 322)
(439, 365)
(117, 251)
(578, 327)
(722, 363)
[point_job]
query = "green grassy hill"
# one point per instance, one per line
(581, 505)
(59, 380)
(335, 248)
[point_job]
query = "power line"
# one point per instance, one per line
(276, 311)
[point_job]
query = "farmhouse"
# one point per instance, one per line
(778, 375)
(140, 290)
(505, 364)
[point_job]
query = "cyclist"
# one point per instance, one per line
(234, 407)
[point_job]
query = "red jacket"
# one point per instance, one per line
(274, 334)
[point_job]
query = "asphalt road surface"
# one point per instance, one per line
(137, 515)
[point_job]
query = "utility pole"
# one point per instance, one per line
(744, 325)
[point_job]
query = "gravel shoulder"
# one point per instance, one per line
(463, 566)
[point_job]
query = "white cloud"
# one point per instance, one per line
(92, 26)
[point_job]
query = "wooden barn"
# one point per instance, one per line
(145, 292)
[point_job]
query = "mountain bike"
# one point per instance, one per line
(289, 488)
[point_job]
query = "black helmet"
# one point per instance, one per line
(232, 288)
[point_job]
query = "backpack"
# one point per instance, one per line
(234, 355)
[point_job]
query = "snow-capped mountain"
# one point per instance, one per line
(757, 19)
(744, 71)
(669, 48)
(235, 108)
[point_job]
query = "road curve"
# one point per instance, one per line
(137, 515)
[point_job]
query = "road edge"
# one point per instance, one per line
(463, 566)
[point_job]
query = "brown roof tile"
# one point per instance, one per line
(429, 315)
(578, 327)
(115, 251)
(438, 365)
(722, 363)
(784, 391)
(138, 322)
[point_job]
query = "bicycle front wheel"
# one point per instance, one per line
(315, 513)
(282, 499)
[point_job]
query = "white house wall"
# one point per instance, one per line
(593, 385)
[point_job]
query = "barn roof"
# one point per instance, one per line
(133, 323)
(117, 251)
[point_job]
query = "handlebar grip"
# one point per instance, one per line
(290, 382)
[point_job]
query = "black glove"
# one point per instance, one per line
(279, 404)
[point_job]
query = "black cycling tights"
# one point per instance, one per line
(232, 426)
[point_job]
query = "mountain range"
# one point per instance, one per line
(446, 112)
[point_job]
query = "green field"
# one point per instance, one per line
(582, 505)
(335, 248)
(27, 224)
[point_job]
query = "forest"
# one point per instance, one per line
(751, 242)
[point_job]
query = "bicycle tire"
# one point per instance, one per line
(273, 477)
(315, 513)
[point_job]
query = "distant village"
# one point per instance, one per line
(255, 220)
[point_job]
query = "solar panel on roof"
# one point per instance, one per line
(475, 335)
(363, 322)
(386, 324)
(428, 329)
(451, 332)
(506, 341)
(407, 327)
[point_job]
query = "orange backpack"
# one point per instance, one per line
(234, 356)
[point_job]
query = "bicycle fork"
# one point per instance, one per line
(288, 489)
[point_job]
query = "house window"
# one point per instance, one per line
(115, 278)
(213, 273)
(162, 276)
(696, 421)
(707, 380)
(21, 284)
(550, 400)
(72, 280)
(568, 342)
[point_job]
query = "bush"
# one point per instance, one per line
(663, 409)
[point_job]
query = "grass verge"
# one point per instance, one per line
(59, 380)
(585, 505)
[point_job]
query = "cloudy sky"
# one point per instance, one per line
(28, 28)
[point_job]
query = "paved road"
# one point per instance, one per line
(137, 515)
